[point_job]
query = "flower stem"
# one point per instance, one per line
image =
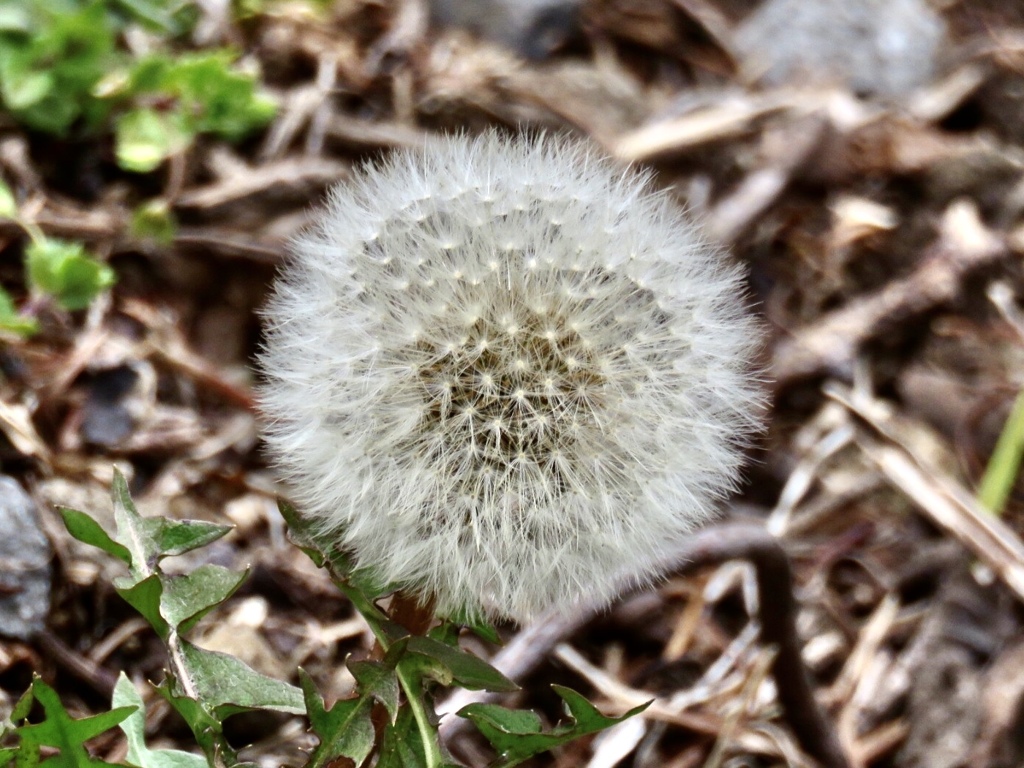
(428, 734)
(415, 617)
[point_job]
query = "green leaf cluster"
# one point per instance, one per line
(62, 70)
(60, 269)
(59, 731)
(52, 53)
(206, 96)
(205, 687)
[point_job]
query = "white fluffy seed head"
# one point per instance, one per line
(505, 374)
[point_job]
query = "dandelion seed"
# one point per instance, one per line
(559, 410)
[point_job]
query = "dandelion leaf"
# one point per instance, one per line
(145, 597)
(401, 747)
(518, 735)
(125, 695)
(166, 602)
(447, 665)
(60, 731)
(324, 554)
(148, 539)
(189, 597)
(88, 531)
(346, 729)
(227, 685)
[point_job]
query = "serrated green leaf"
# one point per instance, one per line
(187, 598)
(454, 664)
(377, 679)
(148, 539)
(134, 727)
(400, 745)
(227, 685)
(65, 271)
(145, 596)
(23, 706)
(7, 754)
(346, 729)
(61, 731)
(300, 533)
(88, 531)
(517, 735)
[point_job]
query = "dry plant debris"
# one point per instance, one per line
(883, 237)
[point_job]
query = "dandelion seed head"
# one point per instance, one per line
(506, 374)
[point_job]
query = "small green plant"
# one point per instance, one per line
(59, 269)
(179, 98)
(503, 377)
(52, 53)
(66, 271)
(205, 687)
(63, 72)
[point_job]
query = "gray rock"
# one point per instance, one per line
(533, 28)
(24, 564)
(884, 48)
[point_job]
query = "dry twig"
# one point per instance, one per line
(830, 345)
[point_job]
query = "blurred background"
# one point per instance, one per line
(863, 159)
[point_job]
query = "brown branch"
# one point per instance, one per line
(81, 667)
(777, 610)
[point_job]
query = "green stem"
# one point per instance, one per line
(413, 691)
(428, 736)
